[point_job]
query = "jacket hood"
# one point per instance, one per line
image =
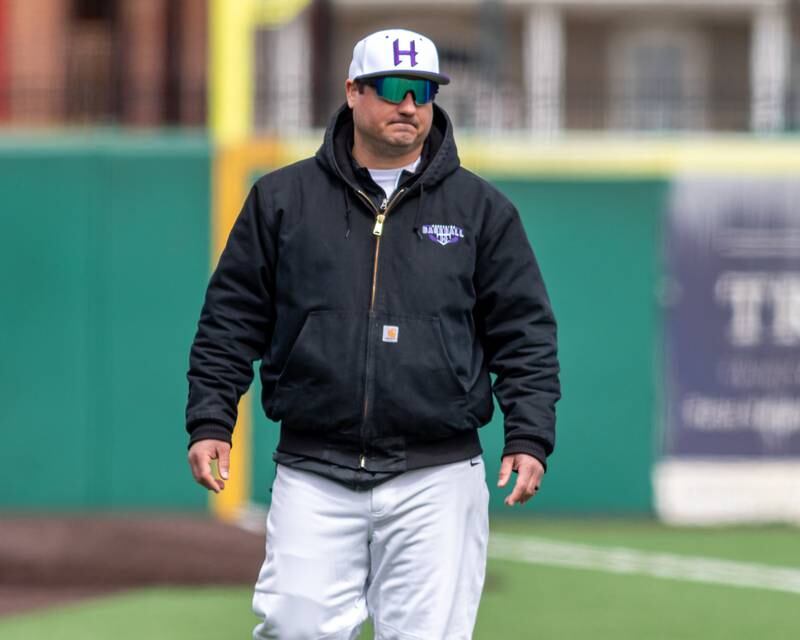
(439, 156)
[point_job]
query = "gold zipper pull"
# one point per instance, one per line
(378, 230)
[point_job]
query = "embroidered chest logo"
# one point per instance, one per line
(443, 234)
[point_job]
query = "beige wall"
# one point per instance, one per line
(586, 72)
(37, 55)
(90, 86)
(730, 74)
(589, 38)
(144, 37)
(194, 61)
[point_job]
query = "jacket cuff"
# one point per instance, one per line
(210, 431)
(531, 447)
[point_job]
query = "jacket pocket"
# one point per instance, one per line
(417, 392)
(320, 386)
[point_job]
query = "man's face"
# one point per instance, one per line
(391, 129)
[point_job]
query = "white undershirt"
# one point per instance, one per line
(387, 179)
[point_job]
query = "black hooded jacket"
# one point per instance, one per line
(377, 329)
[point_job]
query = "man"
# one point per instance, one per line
(379, 283)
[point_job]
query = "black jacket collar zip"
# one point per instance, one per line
(439, 159)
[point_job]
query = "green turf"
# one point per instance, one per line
(146, 614)
(543, 603)
(520, 600)
(779, 545)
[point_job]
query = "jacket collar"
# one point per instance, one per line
(439, 156)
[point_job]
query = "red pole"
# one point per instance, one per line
(5, 76)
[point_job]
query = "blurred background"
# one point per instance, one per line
(652, 152)
(526, 66)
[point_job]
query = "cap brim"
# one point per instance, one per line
(438, 78)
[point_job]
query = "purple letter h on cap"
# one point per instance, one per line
(412, 52)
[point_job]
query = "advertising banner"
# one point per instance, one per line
(732, 338)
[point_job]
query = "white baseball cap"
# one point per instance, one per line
(396, 52)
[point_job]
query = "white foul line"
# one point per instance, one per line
(630, 561)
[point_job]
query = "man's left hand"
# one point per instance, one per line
(529, 476)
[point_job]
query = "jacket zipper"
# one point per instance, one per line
(377, 231)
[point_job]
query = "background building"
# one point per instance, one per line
(639, 65)
(521, 65)
(132, 62)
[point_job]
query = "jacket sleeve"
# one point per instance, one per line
(235, 324)
(518, 331)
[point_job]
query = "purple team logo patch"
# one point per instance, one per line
(443, 234)
(411, 52)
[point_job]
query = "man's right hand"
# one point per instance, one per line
(201, 453)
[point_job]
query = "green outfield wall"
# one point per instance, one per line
(104, 257)
(104, 248)
(598, 244)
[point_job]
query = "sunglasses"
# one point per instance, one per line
(394, 89)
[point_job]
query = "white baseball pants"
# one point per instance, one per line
(410, 553)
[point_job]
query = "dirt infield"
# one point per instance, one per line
(47, 560)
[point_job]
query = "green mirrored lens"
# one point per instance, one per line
(394, 89)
